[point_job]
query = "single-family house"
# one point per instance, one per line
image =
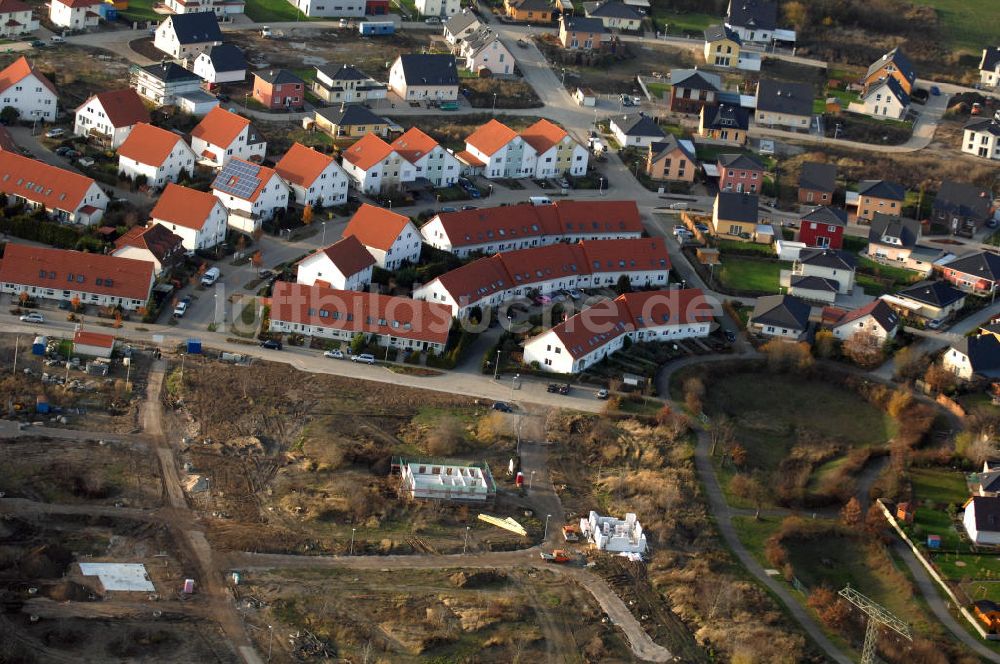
(485, 55)
(153, 243)
(350, 121)
(556, 152)
(16, 19)
(728, 123)
(978, 272)
(885, 98)
(390, 237)
(962, 207)
(186, 35)
(823, 227)
(429, 159)
(375, 167)
(982, 520)
(614, 15)
(500, 152)
(63, 275)
(817, 183)
(894, 65)
(986, 483)
(636, 130)
(982, 137)
(328, 313)
(875, 321)
(108, 117)
(220, 64)
(933, 302)
(167, 83)
(735, 215)
(460, 26)
(222, 135)
(341, 8)
(783, 104)
(820, 275)
(740, 173)
(879, 196)
(344, 265)
(346, 84)
(753, 20)
(971, 357)
(528, 11)
(989, 67)
(222, 8)
(75, 14)
(279, 89)
(894, 240)
(154, 156)
(671, 160)
(252, 193)
(315, 178)
(442, 8)
(64, 195)
(784, 317)
(580, 32)
(722, 46)
(693, 89)
(418, 76)
(198, 217)
(27, 90)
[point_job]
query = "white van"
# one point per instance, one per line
(211, 276)
(539, 200)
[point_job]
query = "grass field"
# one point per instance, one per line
(140, 10)
(746, 274)
(682, 23)
(968, 24)
(263, 11)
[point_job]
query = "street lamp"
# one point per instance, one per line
(545, 536)
(270, 639)
(564, 76)
(465, 547)
(600, 185)
(353, 530)
(496, 369)
(531, 480)
(323, 240)
(494, 103)
(490, 195)
(513, 381)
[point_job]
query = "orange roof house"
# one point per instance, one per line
(156, 155)
(367, 152)
(66, 195)
(345, 264)
(222, 135)
(376, 167)
(390, 237)
(488, 139)
(29, 91)
(197, 216)
(544, 135)
(414, 145)
(316, 178)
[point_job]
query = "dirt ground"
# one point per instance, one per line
(620, 77)
(77, 72)
(429, 615)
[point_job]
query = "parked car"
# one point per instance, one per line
(432, 20)
(270, 344)
(936, 91)
(86, 162)
(626, 100)
(62, 151)
(469, 207)
(678, 206)
(473, 192)
(503, 407)
(563, 183)
(33, 317)
(37, 43)
(680, 230)
(575, 294)
(565, 388)
(72, 154)
(602, 394)
(364, 358)
(553, 387)
(334, 354)
(448, 208)
(730, 336)
(180, 309)
(701, 228)
(57, 39)
(55, 133)
(211, 276)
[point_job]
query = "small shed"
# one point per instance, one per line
(933, 541)
(904, 511)
(93, 344)
(585, 97)
(708, 256)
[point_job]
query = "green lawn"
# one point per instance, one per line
(940, 486)
(899, 276)
(658, 90)
(968, 24)
(263, 11)
(746, 274)
(677, 23)
(141, 10)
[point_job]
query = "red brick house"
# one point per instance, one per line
(279, 88)
(977, 272)
(823, 227)
(692, 89)
(741, 173)
(817, 183)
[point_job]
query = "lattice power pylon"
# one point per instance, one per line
(877, 615)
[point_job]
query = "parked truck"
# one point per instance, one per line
(557, 556)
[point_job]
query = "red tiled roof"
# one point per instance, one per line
(185, 207)
(52, 187)
(528, 266)
(666, 307)
(543, 135)
(157, 239)
(375, 226)
(476, 280)
(12, 6)
(18, 70)
(119, 277)
(302, 165)
(490, 137)
(593, 327)
(633, 255)
(94, 339)
(124, 108)
(582, 217)
(367, 152)
(413, 145)
(349, 256)
(220, 127)
(469, 158)
(360, 312)
(149, 145)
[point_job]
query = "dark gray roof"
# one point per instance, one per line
(818, 177)
(668, 145)
(810, 282)
(352, 114)
(693, 79)
(278, 76)
(785, 311)
(963, 199)
(226, 57)
(990, 59)
(460, 22)
(744, 161)
(613, 9)
(990, 480)
(881, 189)
(901, 62)
(640, 125)
(935, 293)
(533, 5)
(984, 125)
(826, 215)
(717, 32)
(983, 352)
(583, 24)
(726, 116)
(429, 69)
(171, 72)
(784, 97)
(738, 207)
(196, 28)
(987, 511)
(886, 229)
(756, 14)
(982, 264)
(894, 87)
(877, 309)
(831, 258)
(342, 73)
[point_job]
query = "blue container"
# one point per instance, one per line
(39, 345)
(377, 27)
(41, 404)
(194, 346)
